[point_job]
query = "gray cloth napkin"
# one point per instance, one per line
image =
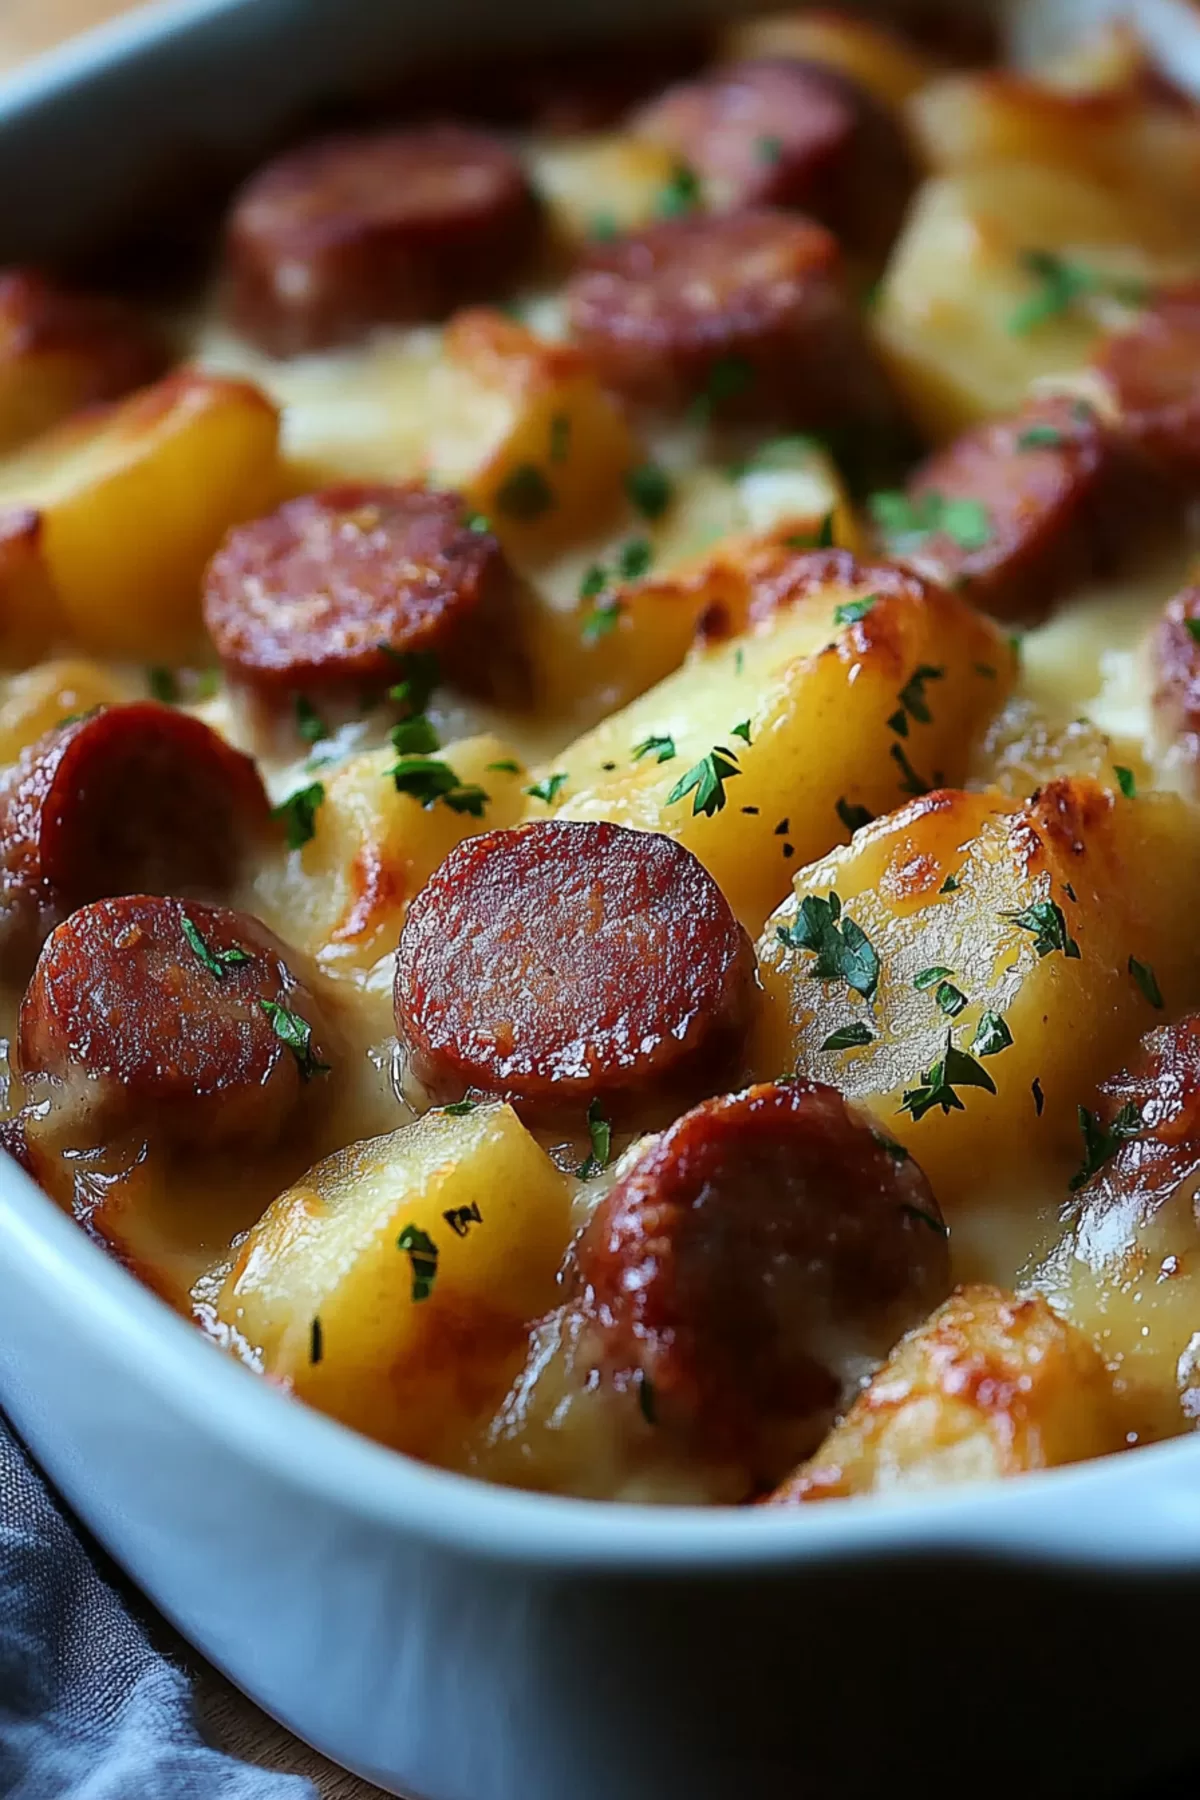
(89, 1708)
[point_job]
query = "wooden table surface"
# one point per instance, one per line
(26, 27)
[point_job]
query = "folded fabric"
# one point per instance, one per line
(89, 1708)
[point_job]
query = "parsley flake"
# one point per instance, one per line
(634, 558)
(215, 961)
(1146, 979)
(316, 1342)
(661, 748)
(414, 736)
(163, 684)
(1060, 283)
(299, 814)
(1039, 437)
(458, 1109)
(295, 1032)
(728, 379)
(907, 521)
(600, 1133)
(768, 149)
(930, 977)
(603, 227)
(309, 723)
(1193, 629)
(428, 781)
(820, 539)
(595, 580)
(853, 817)
(1049, 927)
(423, 1257)
(1126, 780)
(419, 675)
(548, 787)
(890, 1147)
(1101, 1141)
(950, 999)
(506, 766)
(849, 1037)
(925, 1218)
(649, 488)
(742, 731)
(842, 949)
(600, 621)
(950, 885)
(991, 1035)
(707, 778)
(851, 611)
(910, 781)
(1039, 1099)
(525, 494)
(681, 194)
(912, 694)
(954, 1068)
(461, 1218)
(646, 1406)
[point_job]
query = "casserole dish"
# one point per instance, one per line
(461, 1643)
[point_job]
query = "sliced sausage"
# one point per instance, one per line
(324, 590)
(1175, 654)
(778, 131)
(14, 1143)
(147, 1014)
(1019, 511)
(137, 797)
(755, 1262)
(569, 962)
(744, 312)
(1153, 373)
(368, 229)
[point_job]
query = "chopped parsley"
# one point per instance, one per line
(1039, 1099)
(1101, 1141)
(163, 684)
(646, 1406)
(853, 817)
(926, 1218)
(299, 814)
(215, 961)
(661, 748)
(912, 698)
(906, 522)
(950, 999)
(820, 539)
(890, 1147)
(428, 781)
(1126, 780)
(634, 558)
(295, 1032)
(603, 227)
(309, 723)
(414, 736)
(316, 1342)
(849, 1037)
(953, 1069)
(548, 787)
(768, 149)
(742, 731)
(728, 379)
(423, 1256)
(649, 488)
(1193, 629)
(910, 781)
(1039, 437)
(851, 611)
(525, 494)
(600, 620)
(950, 885)
(560, 437)
(842, 949)
(681, 194)
(458, 1109)
(930, 977)
(991, 1035)
(1060, 283)
(595, 580)
(477, 522)
(600, 1133)
(707, 778)
(1146, 979)
(506, 766)
(461, 1218)
(1049, 927)
(419, 675)
(777, 453)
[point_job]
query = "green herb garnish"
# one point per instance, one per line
(309, 723)
(163, 684)
(906, 522)
(423, 1256)
(708, 778)
(1101, 1141)
(1039, 437)
(851, 611)
(681, 194)
(419, 675)
(600, 1133)
(853, 817)
(525, 494)
(548, 787)
(316, 1342)
(461, 1218)
(649, 488)
(842, 949)
(820, 539)
(1126, 780)
(1060, 283)
(294, 1031)
(215, 961)
(299, 814)
(414, 736)
(661, 748)
(428, 781)
(1045, 920)
(849, 1037)
(729, 377)
(634, 558)
(991, 1035)
(954, 1068)
(1146, 979)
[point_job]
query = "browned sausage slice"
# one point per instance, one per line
(1153, 373)
(754, 1263)
(1019, 511)
(374, 228)
(323, 589)
(567, 962)
(137, 797)
(148, 1014)
(1175, 653)
(783, 132)
(744, 312)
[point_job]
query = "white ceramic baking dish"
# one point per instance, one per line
(458, 1642)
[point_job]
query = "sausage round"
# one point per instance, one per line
(367, 229)
(754, 1262)
(147, 1014)
(567, 962)
(1040, 503)
(1152, 371)
(125, 798)
(743, 313)
(778, 131)
(331, 585)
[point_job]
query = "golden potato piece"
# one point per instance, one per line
(343, 895)
(392, 1284)
(1003, 929)
(29, 615)
(757, 752)
(993, 1384)
(134, 498)
(966, 318)
(552, 465)
(61, 350)
(599, 185)
(885, 65)
(43, 696)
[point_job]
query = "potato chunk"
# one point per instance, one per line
(955, 322)
(991, 1385)
(600, 184)
(885, 65)
(43, 696)
(778, 733)
(1005, 930)
(343, 895)
(134, 498)
(391, 1286)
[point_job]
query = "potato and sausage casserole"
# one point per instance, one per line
(600, 812)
